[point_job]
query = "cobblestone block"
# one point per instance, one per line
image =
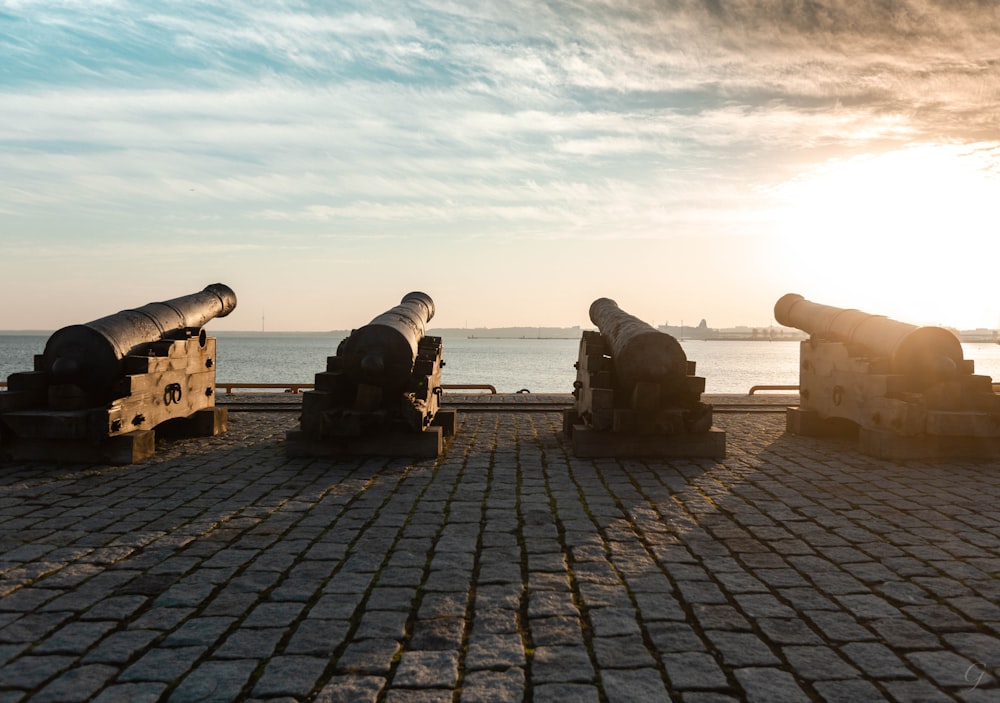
(849, 691)
(742, 649)
(351, 689)
(382, 624)
(30, 671)
(674, 637)
(876, 660)
(815, 663)
(290, 676)
(767, 685)
(120, 647)
(948, 669)
(628, 685)
(601, 595)
(611, 622)
(437, 605)
(77, 684)
(940, 618)
(788, 631)
(369, 656)
(622, 652)
(215, 682)
(694, 671)
(427, 669)
(658, 606)
(73, 638)
(491, 686)
(561, 664)
(439, 633)
(317, 637)
(132, 692)
(418, 695)
(563, 692)
(273, 615)
(720, 617)
(557, 630)
(164, 665)
(495, 652)
(198, 631)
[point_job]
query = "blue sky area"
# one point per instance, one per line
(515, 160)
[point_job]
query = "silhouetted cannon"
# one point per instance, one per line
(640, 353)
(905, 391)
(99, 390)
(91, 355)
(380, 393)
(922, 354)
(636, 394)
(382, 353)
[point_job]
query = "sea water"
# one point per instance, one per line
(510, 365)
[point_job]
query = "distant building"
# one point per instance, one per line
(702, 331)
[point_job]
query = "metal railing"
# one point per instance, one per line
(754, 389)
(296, 388)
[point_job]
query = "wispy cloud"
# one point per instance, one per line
(586, 119)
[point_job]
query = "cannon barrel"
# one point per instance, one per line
(90, 355)
(383, 351)
(639, 351)
(923, 353)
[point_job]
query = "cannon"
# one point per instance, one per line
(641, 353)
(636, 393)
(100, 389)
(92, 356)
(921, 355)
(907, 391)
(380, 393)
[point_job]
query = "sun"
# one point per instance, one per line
(913, 233)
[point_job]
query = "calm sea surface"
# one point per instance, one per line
(539, 365)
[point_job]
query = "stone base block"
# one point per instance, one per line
(420, 445)
(589, 443)
(888, 445)
(809, 423)
(208, 422)
(123, 449)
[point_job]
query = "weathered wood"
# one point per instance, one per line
(121, 450)
(884, 444)
(447, 420)
(177, 385)
(898, 403)
(209, 422)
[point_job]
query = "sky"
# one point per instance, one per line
(516, 160)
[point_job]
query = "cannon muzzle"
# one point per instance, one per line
(639, 351)
(90, 355)
(925, 354)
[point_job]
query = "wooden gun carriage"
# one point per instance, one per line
(100, 389)
(636, 393)
(380, 394)
(907, 391)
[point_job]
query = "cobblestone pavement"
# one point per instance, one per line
(794, 570)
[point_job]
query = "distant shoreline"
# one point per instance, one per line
(966, 336)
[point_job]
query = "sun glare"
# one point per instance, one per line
(913, 234)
